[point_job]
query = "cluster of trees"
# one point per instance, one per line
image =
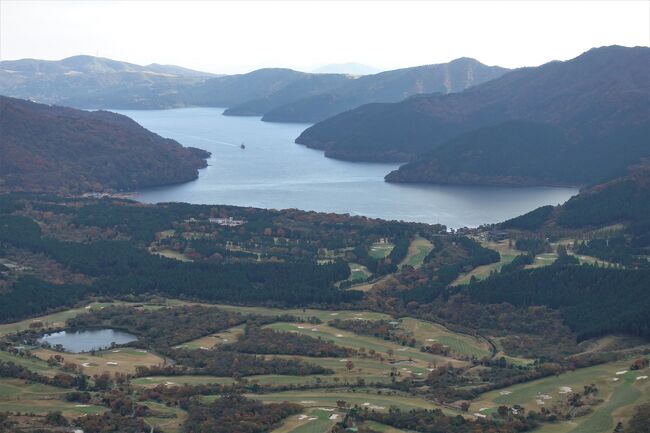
(49, 148)
(593, 301)
(387, 265)
(123, 267)
(533, 246)
(616, 249)
(450, 257)
(61, 380)
(267, 341)
(235, 413)
(530, 221)
(232, 364)
(112, 422)
(164, 327)
(435, 421)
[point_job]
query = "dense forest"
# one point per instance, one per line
(547, 121)
(593, 301)
(59, 149)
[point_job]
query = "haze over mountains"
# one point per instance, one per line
(562, 123)
(389, 86)
(281, 95)
(351, 68)
(94, 82)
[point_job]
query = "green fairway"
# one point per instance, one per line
(620, 389)
(356, 341)
(310, 421)
(460, 344)
(33, 364)
(417, 251)
(20, 396)
(358, 272)
(380, 250)
(370, 399)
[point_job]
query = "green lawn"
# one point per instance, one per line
(417, 251)
(460, 344)
(380, 250)
(358, 272)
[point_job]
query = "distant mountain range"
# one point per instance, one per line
(389, 86)
(59, 149)
(563, 123)
(280, 95)
(94, 82)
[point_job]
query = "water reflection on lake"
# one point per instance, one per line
(87, 340)
(274, 172)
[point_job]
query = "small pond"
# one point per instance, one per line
(87, 340)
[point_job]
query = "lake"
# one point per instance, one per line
(274, 172)
(87, 340)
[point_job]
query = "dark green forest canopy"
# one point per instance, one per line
(593, 301)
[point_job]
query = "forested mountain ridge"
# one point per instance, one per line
(278, 87)
(49, 148)
(598, 102)
(389, 86)
(622, 200)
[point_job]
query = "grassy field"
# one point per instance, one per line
(57, 320)
(310, 421)
(171, 254)
(619, 396)
(364, 398)
(49, 320)
(355, 341)
(460, 344)
(212, 340)
(507, 252)
(380, 250)
(171, 421)
(358, 272)
(123, 360)
(36, 365)
(268, 379)
(19, 396)
(417, 251)
(324, 315)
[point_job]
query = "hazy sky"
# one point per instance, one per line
(240, 36)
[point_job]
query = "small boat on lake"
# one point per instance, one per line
(242, 146)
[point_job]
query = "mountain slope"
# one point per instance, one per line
(625, 199)
(47, 148)
(300, 85)
(94, 82)
(598, 102)
(232, 90)
(389, 86)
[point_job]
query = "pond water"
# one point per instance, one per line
(87, 340)
(274, 172)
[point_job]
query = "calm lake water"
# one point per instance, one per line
(274, 172)
(87, 340)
